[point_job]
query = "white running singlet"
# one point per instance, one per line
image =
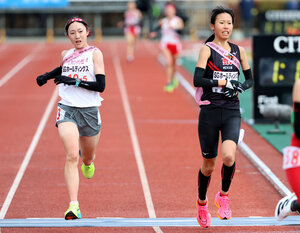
(81, 67)
(169, 35)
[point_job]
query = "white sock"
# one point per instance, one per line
(74, 202)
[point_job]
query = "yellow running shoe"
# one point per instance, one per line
(73, 212)
(175, 82)
(169, 88)
(88, 171)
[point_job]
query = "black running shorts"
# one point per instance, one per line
(212, 121)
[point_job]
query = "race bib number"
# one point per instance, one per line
(60, 115)
(291, 156)
(221, 75)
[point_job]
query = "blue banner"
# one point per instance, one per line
(33, 3)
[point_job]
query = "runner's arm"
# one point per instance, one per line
(296, 99)
(199, 79)
(246, 70)
(42, 79)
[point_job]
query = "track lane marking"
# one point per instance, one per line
(19, 66)
(28, 155)
(134, 137)
(148, 222)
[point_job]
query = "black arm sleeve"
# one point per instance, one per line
(297, 119)
(53, 73)
(200, 81)
(99, 85)
(248, 79)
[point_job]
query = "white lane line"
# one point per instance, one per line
(28, 155)
(258, 163)
(134, 138)
(19, 66)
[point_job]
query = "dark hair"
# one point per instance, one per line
(79, 20)
(215, 12)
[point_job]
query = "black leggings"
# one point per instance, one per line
(212, 120)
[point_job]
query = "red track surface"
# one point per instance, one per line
(167, 131)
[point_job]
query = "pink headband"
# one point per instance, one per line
(77, 20)
(171, 5)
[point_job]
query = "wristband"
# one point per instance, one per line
(77, 82)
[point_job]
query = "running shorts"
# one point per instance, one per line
(212, 121)
(87, 120)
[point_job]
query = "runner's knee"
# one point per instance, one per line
(228, 159)
(208, 167)
(72, 157)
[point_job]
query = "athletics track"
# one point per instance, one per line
(147, 160)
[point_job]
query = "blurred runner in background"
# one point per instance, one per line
(171, 28)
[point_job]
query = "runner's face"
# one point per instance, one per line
(77, 34)
(170, 11)
(223, 26)
(131, 5)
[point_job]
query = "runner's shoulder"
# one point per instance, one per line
(97, 54)
(63, 53)
(205, 51)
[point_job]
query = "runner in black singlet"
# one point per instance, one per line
(216, 77)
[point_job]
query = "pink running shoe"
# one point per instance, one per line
(203, 216)
(222, 202)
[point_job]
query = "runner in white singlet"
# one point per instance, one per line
(170, 43)
(132, 28)
(80, 77)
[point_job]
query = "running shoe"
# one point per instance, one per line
(88, 170)
(203, 216)
(175, 82)
(283, 208)
(73, 212)
(169, 88)
(222, 202)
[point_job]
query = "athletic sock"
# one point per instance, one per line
(295, 206)
(227, 175)
(203, 183)
(74, 202)
(223, 195)
(202, 204)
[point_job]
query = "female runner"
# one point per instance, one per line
(80, 78)
(216, 77)
(291, 163)
(132, 29)
(170, 27)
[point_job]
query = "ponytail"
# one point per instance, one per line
(211, 38)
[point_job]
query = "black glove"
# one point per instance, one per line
(229, 92)
(235, 85)
(42, 79)
(65, 80)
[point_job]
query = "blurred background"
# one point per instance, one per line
(46, 18)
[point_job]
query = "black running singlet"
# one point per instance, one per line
(220, 68)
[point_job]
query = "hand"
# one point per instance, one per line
(230, 93)
(65, 80)
(42, 79)
(234, 85)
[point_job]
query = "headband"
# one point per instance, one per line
(170, 5)
(77, 19)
